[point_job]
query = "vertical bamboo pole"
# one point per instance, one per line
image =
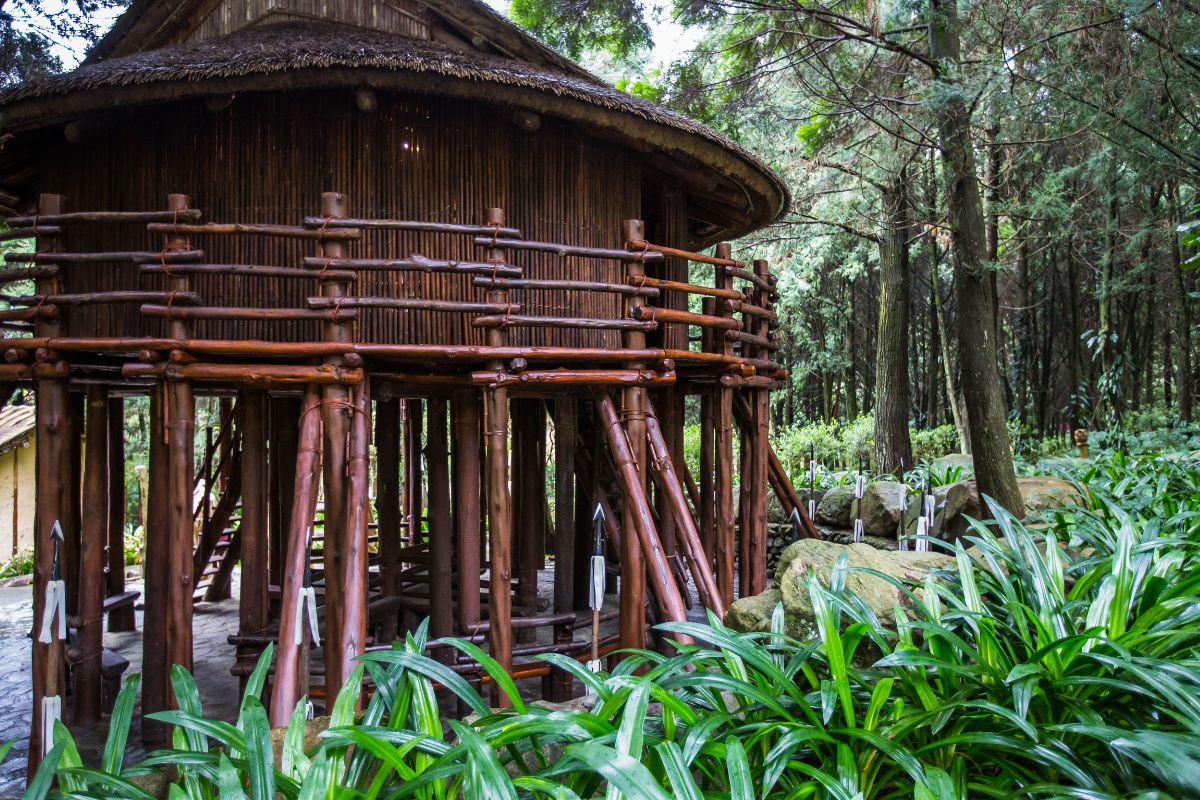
(52, 449)
(387, 499)
(414, 506)
(723, 461)
(707, 509)
(89, 637)
(73, 479)
(757, 476)
(291, 661)
(632, 619)
(253, 609)
(335, 410)
(352, 641)
(467, 411)
(120, 620)
(180, 435)
(441, 534)
(158, 576)
(529, 484)
(564, 503)
(281, 466)
(499, 499)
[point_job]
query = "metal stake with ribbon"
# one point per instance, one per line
(596, 594)
(55, 607)
(860, 486)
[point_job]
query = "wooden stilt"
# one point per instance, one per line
(72, 476)
(281, 466)
(723, 514)
(414, 496)
(441, 534)
(587, 494)
(120, 620)
(387, 500)
(253, 609)
(89, 635)
(335, 410)
(180, 433)
(633, 569)
(641, 519)
(664, 507)
(757, 475)
(352, 632)
(52, 448)
(707, 509)
(157, 568)
(529, 502)
(291, 664)
(467, 412)
(495, 427)
(564, 503)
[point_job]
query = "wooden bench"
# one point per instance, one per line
(120, 601)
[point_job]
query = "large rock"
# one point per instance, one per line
(883, 507)
(1038, 493)
(837, 506)
(964, 460)
(949, 501)
(791, 583)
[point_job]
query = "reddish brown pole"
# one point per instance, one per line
(673, 494)
(467, 411)
(281, 467)
(529, 484)
(564, 503)
(441, 533)
(758, 473)
(334, 413)
(253, 609)
(157, 564)
(414, 506)
(352, 632)
(707, 509)
(180, 432)
(387, 501)
(89, 635)
(632, 620)
(499, 502)
(120, 620)
(723, 516)
(52, 449)
(291, 660)
(641, 518)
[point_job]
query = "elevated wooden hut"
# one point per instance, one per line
(405, 223)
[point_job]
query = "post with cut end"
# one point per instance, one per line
(291, 660)
(467, 411)
(89, 636)
(499, 501)
(49, 669)
(633, 569)
(387, 501)
(120, 620)
(441, 534)
(723, 519)
(335, 417)
(180, 435)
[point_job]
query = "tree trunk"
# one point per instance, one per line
(972, 281)
(1183, 352)
(892, 444)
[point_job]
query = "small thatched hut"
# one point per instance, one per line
(405, 223)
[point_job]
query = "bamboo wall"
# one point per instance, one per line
(397, 16)
(267, 158)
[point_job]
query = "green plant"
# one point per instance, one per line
(20, 564)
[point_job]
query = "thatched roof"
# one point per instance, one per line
(17, 426)
(309, 55)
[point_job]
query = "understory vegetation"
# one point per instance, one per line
(1055, 659)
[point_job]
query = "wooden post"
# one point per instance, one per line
(633, 570)
(180, 435)
(281, 466)
(441, 534)
(157, 568)
(120, 620)
(564, 503)
(757, 475)
(723, 520)
(387, 501)
(291, 661)
(89, 636)
(663, 505)
(414, 506)
(253, 609)
(499, 500)
(707, 509)
(467, 411)
(352, 632)
(335, 411)
(52, 450)
(529, 485)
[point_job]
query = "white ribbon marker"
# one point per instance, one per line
(812, 509)
(51, 713)
(55, 607)
(858, 530)
(307, 600)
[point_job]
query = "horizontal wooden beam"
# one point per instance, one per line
(411, 225)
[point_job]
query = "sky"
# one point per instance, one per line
(671, 40)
